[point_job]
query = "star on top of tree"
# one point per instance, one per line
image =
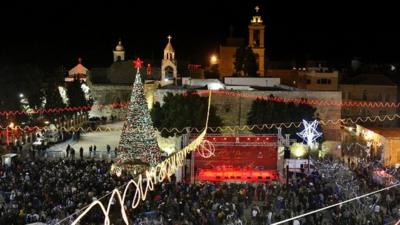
(138, 63)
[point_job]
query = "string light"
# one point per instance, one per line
(336, 204)
(323, 102)
(379, 118)
(146, 181)
(138, 138)
(206, 149)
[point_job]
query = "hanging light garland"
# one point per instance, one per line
(322, 102)
(146, 181)
(379, 118)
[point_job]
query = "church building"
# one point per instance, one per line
(113, 84)
(256, 41)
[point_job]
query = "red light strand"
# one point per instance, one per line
(319, 102)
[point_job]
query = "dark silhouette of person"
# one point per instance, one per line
(68, 150)
(81, 153)
(108, 149)
(73, 153)
(90, 151)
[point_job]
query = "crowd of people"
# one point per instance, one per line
(260, 204)
(47, 191)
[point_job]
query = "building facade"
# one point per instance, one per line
(369, 88)
(234, 110)
(308, 78)
(113, 84)
(382, 143)
(256, 41)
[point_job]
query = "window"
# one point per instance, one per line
(349, 96)
(308, 81)
(379, 97)
(318, 81)
(324, 81)
(329, 81)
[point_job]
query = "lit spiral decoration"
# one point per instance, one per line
(206, 149)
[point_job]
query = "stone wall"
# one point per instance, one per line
(106, 94)
(234, 110)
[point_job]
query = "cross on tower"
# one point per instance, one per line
(169, 38)
(257, 8)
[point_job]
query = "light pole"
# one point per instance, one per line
(309, 135)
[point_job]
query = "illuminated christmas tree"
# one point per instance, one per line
(138, 144)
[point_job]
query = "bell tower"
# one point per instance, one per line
(256, 40)
(169, 72)
(119, 52)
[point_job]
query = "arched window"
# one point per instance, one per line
(169, 72)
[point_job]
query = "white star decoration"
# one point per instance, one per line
(310, 133)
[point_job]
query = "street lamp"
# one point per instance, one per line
(213, 60)
(21, 95)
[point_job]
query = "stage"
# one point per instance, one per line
(244, 158)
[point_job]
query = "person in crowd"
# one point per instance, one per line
(68, 149)
(108, 149)
(72, 153)
(90, 151)
(81, 153)
(47, 191)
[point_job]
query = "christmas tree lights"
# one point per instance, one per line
(138, 144)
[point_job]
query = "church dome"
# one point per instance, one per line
(119, 47)
(169, 47)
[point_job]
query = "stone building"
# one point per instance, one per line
(382, 143)
(113, 84)
(309, 78)
(78, 72)
(371, 88)
(233, 110)
(256, 41)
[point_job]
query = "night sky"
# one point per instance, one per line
(57, 34)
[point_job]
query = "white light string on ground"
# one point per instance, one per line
(336, 204)
(146, 181)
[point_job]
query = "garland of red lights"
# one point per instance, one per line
(379, 118)
(319, 102)
(341, 103)
(65, 109)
